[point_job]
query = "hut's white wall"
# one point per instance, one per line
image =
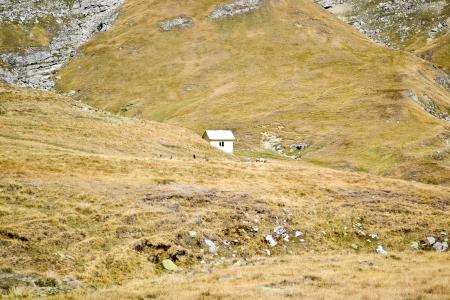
(227, 147)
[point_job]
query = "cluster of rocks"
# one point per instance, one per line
(281, 235)
(358, 230)
(237, 7)
(238, 235)
(378, 21)
(432, 243)
(38, 284)
(77, 23)
(178, 22)
(272, 142)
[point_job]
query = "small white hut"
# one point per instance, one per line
(221, 139)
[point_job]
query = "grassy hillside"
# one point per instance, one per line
(290, 68)
(95, 202)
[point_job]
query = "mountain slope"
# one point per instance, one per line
(411, 25)
(92, 203)
(287, 69)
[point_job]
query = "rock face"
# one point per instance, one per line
(78, 22)
(238, 7)
(391, 23)
(176, 23)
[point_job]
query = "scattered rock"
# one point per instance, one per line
(430, 240)
(361, 233)
(212, 248)
(271, 240)
(170, 265)
(373, 236)
(440, 247)
(267, 251)
(415, 245)
(70, 93)
(178, 22)
(380, 250)
(298, 234)
(354, 246)
(279, 230)
(192, 234)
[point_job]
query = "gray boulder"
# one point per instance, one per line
(271, 240)
(237, 7)
(431, 240)
(440, 247)
(169, 265)
(380, 250)
(279, 230)
(415, 246)
(212, 248)
(178, 22)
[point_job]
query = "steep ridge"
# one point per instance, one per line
(91, 204)
(38, 37)
(277, 72)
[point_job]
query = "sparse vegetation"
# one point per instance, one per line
(97, 198)
(98, 204)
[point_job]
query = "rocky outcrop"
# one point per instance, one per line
(238, 7)
(391, 23)
(429, 105)
(178, 22)
(78, 22)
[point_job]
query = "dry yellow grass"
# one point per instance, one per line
(310, 276)
(290, 68)
(87, 194)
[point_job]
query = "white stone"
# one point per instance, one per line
(380, 250)
(271, 240)
(431, 240)
(279, 230)
(211, 246)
